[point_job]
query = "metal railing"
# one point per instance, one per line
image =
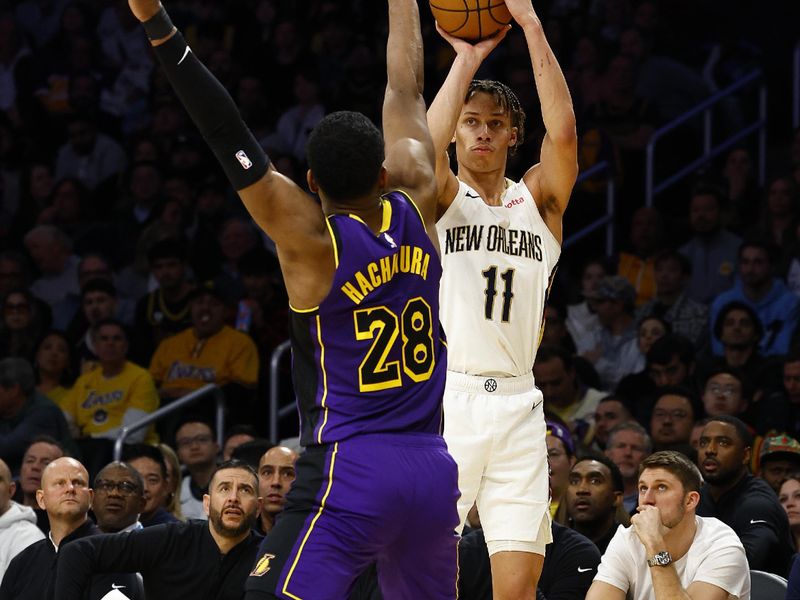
(606, 221)
(170, 408)
(759, 125)
(796, 87)
(277, 412)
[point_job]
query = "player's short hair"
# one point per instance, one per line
(345, 154)
(506, 99)
(677, 464)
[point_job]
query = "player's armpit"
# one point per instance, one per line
(601, 590)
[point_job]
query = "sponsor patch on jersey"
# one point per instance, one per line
(262, 566)
(515, 202)
(244, 160)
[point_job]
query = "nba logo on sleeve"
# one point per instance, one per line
(243, 160)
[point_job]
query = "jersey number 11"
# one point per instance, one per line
(491, 291)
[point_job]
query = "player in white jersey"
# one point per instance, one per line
(500, 243)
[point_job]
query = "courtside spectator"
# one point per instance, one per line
(628, 444)
(780, 460)
(276, 473)
(18, 528)
(197, 451)
(149, 463)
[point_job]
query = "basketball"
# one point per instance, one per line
(471, 19)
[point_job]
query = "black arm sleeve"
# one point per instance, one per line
(213, 111)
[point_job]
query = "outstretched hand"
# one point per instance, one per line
(479, 50)
(144, 9)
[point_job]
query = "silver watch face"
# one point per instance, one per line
(660, 559)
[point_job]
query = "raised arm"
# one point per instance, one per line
(290, 217)
(551, 181)
(446, 107)
(409, 150)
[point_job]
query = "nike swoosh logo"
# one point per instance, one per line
(114, 586)
(754, 521)
(471, 195)
(185, 54)
(580, 570)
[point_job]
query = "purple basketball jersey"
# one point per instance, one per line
(371, 357)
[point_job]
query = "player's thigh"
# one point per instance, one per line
(421, 560)
(515, 493)
(314, 550)
(467, 432)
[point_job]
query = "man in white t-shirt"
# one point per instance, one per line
(669, 552)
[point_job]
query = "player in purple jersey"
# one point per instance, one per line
(362, 273)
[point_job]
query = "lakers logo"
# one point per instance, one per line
(262, 566)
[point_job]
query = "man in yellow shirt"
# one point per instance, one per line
(114, 394)
(209, 352)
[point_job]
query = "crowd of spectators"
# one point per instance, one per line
(130, 274)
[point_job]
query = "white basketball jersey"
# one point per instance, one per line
(498, 262)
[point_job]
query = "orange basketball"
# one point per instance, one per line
(471, 19)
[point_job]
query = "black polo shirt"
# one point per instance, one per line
(176, 560)
(752, 510)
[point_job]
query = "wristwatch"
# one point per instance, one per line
(659, 559)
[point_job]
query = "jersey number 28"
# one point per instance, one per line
(415, 328)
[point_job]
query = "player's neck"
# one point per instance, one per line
(369, 209)
(490, 185)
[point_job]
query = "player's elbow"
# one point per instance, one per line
(566, 133)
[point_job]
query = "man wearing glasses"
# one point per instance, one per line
(673, 418)
(197, 451)
(118, 498)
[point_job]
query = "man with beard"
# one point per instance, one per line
(628, 444)
(669, 552)
(594, 500)
(744, 502)
(197, 559)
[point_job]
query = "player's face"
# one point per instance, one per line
(98, 306)
(168, 272)
(627, 450)
(208, 315)
(723, 395)
(484, 134)
(156, 488)
(672, 420)
(789, 497)
(721, 455)
(660, 488)
(275, 476)
(590, 493)
(65, 491)
(36, 458)
(608, 415)
(232, 502)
